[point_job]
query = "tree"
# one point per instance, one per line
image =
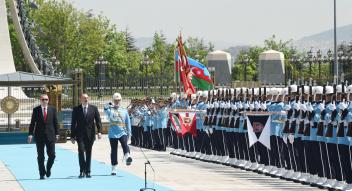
(75, 37)
(197, 48)
(130, 41)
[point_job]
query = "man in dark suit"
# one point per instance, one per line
(84, 119)
(45, 127)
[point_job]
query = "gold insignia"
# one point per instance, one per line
(9, 104)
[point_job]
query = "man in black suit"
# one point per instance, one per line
(45, 127)
(84, 119)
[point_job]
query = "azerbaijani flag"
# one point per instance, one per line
(201, 78)
(183, 68)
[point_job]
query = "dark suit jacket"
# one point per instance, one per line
(41, 129)
(84, 127)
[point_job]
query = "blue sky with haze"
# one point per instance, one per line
(236, 22)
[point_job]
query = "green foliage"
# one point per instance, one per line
(79, 38)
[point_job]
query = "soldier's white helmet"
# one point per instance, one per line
(339, 88)
(173, 95)
(199, 93)
(205, 94)
(116, 96)
(284, 91)
(329, 90)
(232, 91)
(244, 90)
(318, 90)
(256, 91)
(349, 89)
(271, 91)
(238, 91)
(262, 91)
(306, 89)
(193, 96)
(278, 91)
(293, 88)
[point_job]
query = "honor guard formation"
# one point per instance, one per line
(310, 131)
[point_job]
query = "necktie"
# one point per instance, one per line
(44, 114)
(85, 111)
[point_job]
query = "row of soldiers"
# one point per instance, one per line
(310, 131)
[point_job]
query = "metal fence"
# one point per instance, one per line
(99, 91)
(131, 87)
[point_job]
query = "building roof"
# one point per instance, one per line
(30, 79)
(271, 55)
(219, 55)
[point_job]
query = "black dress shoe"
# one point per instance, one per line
(88, 175)
(48, 173)
(81, 175)
(42, 178)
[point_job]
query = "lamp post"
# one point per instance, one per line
(245, 62)
(100, 66)
(330, 60)
(163, 62)
(319, 59)
(336, 73)
(310, 60)
(146, 62)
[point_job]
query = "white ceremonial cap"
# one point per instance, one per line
(278, 91)
(339, 88)
(293, 88)
(329, 90)
(193, 96)
(173, 95)
(205, 94)
(284, 91)
(349, 89)
(238, 91)
(306, 89)
(232, 91)
(116, 96)
(318, 90)
(256, 91)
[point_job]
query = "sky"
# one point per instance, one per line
(235, 22)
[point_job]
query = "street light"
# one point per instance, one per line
(100, 66)
(341, 59)
(310, 60)
(330, 59)
(245, 62)
(319, 60)
(146, 62)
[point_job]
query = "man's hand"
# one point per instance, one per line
(57, 137)
(73, 140)
(30, 137)
(99, 135)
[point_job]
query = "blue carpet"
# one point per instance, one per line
(21, 161)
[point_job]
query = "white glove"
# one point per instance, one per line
(30, 138)
(291, 138)
(128, 140)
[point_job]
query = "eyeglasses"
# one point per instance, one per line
(45, 99)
